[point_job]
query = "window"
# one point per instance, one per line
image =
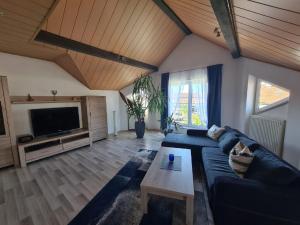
(269, 95)
(188, 97)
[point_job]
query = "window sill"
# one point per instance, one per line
(257, 112)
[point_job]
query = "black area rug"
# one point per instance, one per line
(119, 203)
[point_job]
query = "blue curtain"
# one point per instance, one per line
(214, 75)
(164, 89)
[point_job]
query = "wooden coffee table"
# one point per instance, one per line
(170, 183)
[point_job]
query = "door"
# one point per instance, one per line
(98, 117)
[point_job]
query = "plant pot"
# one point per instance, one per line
(167, 131)
(140, 129)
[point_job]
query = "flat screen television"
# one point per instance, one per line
(52, 121)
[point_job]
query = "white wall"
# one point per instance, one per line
(37, 77)
(280, 112)
(283, 77)
(194, 52)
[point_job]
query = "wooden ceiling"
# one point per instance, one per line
(267, 30)
(199, 17)
(137, 29)
(19, 22)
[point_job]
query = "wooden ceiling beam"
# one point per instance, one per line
(53, 39)
(172, 15)
(224, 12)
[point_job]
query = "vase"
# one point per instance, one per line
(139, 129)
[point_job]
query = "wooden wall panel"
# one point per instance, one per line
(269, 31)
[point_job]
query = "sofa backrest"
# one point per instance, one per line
(268, 167)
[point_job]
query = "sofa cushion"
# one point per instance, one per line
(268, 168)
(227, 141)
(187, 141)
(251, 144)
(196, 132)
(215, 164)
(235, 131)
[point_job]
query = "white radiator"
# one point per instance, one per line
(268, 132)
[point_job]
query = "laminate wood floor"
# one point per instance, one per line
(52, 191)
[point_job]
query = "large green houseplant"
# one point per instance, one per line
(145, 96)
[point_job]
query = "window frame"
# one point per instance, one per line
(190, 108)
(257, 110)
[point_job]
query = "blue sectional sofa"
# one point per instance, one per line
(269, 194)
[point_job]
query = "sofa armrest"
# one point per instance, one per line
(196, 132)
(275, 202)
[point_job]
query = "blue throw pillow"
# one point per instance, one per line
(251, 144)
(227, 142)
(268, 168)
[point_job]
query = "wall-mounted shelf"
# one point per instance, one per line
(43, 99)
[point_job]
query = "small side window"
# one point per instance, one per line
(269, 95)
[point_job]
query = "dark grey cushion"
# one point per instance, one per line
(187, 141)
(215, 164)
(227, 142)
(235, 131)
(251, 144)
(196, 132)
(268, 168)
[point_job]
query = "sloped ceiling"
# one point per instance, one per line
(133, 28)
(267, 30)
(199, 17)
(19, 22)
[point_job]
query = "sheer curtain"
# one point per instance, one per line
(197, 94)
(176, 83)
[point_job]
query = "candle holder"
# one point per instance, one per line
(171, 158)
(54, 93)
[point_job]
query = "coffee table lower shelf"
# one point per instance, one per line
(188, 199)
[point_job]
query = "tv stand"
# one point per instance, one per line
(59, 133)
(43, 147)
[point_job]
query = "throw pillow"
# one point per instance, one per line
(227, 142)
(240, 158)
(215, 132)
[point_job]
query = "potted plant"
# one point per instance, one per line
(170, 121)
(145, 96)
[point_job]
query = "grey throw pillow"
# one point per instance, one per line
(215, 132)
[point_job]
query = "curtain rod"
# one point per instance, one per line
(193, 68)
